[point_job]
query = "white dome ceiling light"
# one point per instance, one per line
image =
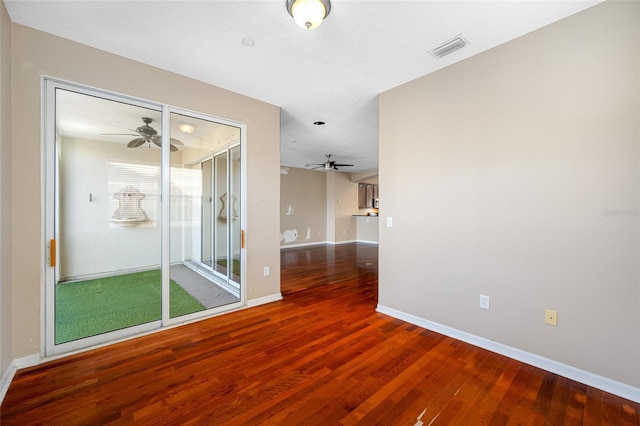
(309, 14)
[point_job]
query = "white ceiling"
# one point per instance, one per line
(332, 74)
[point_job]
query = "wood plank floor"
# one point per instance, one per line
(321, 356)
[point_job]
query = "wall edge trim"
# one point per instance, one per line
(622, 390)
(324, 243)
(14, 366)
(264, 300)
(375, 243)
(317, 243)
(5, 380)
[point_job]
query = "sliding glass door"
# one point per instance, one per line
(143, 216)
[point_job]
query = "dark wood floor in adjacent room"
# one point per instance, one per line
(321, 356)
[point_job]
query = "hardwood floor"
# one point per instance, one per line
(320, 356)
(314, 266)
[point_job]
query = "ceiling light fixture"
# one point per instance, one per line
(309, 14)
(186, 128)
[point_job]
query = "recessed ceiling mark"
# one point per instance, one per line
(319, 123)
(248, 41)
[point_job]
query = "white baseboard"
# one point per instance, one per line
(16, 364)
(324, 243)
(27, 361)
(368, 242)
(317, 243)
(264, 300)
(608, 385)
(6, 379)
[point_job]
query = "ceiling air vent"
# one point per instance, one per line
(449, 46)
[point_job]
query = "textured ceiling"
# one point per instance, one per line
(331, 74)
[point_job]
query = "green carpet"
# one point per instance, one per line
(88, 308)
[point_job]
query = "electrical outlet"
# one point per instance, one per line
(484, 301)
(266, 271)
(551, 317)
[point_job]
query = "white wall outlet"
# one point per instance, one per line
(484, 301)
(266, 271)
(389, 222)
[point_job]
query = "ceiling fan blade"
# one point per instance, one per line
(328, 165)
(157, 139)
(173, 148)
(119, 134)
(157, 142)
(136, 143)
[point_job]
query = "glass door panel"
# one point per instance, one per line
(207, 212)
(107, 216)
(235, 240)
(199, 220)
(222, 220)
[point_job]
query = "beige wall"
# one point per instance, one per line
(6, 351)
(303, 207)
(316, 207)
(345, 200)
(34, 54)
(518, 179)
(368, 229)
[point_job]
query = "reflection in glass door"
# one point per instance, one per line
(129, 250)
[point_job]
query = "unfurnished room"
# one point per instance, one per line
(330, 212)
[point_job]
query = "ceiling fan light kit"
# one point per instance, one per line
(309, 14)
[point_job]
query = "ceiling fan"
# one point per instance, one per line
(147, 134)
(328, 165)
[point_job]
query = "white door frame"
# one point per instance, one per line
(50, 216)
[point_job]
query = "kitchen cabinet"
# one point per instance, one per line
(362, 195)
(366, 193)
